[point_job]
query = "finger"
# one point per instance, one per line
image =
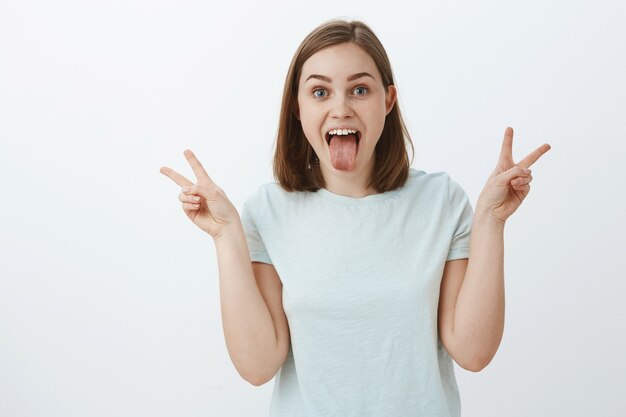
(197, 167)
(534, 155)
(506, 152)
(176, 177)
(522, 180)
(509, 175)
(525, 189)
(191, 206)
(185, 198)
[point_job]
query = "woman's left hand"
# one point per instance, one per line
(509, 183)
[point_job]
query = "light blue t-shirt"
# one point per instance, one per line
(361, 280)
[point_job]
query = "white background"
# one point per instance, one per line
(109, 302)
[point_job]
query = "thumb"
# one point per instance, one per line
(510, 174)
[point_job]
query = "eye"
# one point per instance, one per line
(360, 91)
(319, 90)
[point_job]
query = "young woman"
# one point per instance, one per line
(349, 278)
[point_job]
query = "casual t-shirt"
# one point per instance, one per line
(361, 280)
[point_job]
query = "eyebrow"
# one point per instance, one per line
(350, 78)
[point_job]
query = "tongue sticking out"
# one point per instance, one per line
(343, 151)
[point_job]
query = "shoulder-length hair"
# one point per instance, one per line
(296, 167)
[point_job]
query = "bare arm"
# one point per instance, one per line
(255, 326)
(256, 335)
(472, 304)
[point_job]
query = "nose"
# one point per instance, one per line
(341, 107)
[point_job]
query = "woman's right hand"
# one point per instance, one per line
(212, 212)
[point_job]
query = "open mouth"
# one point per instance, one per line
(357, 134)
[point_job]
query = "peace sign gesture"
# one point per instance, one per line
(204, 203)
(509, 183)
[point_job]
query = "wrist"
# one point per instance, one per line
(485, 218)
(231, 233)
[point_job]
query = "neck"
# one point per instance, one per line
(349, 184)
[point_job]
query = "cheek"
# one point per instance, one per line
(310, 118)
(310, 125)
(377, 115)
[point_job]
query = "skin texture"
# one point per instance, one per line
(362, 104)
(204, 202)
(471, 301)
(253, 318)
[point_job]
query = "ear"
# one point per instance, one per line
(390, 98)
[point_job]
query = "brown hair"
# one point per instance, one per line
(296, 167)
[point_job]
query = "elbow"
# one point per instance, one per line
(254, 379)
(257, 379)
(474, 367)
(258, 375)
(257, 382)
(475, 359)
(475, 364)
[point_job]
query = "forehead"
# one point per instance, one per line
(339, 62)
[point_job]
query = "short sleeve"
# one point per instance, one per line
(255, 243)
(461, 216)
